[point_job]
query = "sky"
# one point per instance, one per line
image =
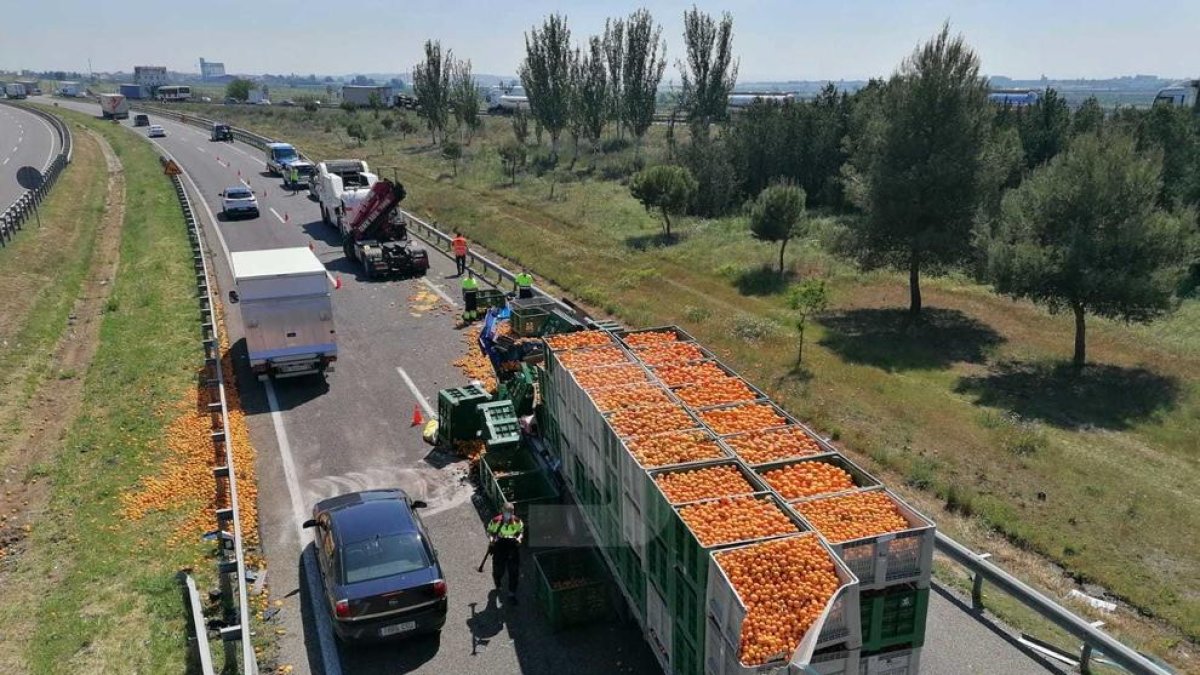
(774, 39)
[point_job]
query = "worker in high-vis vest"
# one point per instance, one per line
(294, 179)
(459, 245)
(523, 284)
(506, 532)
(470, 291)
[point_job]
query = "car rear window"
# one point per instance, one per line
(237, 194)
(383, 556)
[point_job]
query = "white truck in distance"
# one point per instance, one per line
(340, 185)
(287, 312)
(114, 106)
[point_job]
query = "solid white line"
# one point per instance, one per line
(439, 291)
(424, 402)
(50, 131)
(272, 210)
(289, 464)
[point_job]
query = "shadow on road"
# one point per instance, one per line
(1104, 396)
(987, 622)
(326, 234)
(290, 392)
(885, 339)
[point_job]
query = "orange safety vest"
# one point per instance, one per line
(459, 244)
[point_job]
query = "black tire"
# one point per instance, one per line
(368, 273)
(346, 248)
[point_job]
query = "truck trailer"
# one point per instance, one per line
(15, 90)
(114, 106)
(287, 312)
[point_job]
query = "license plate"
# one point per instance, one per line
(397, 628)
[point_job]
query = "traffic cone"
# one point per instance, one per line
(285, 216)
(239, 173)
(337, 282)
(417, 419)
(310, 247)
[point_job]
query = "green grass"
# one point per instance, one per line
(1096, 473)
(42, 270)
(98, 594)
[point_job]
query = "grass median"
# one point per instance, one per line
(975, 409)
(94, 591)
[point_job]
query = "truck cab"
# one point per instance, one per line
(278, 155)
(340, 185)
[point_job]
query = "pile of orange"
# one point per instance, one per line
(692, 373)
(693, 485)
(759, 447)
(650, 337)
(785, 584)
(732, 519)
(669, 352)
(807, 479)
(629, 396)
(674, 448)
(609, 376)
(854, 516)
(716, 392)
(587, 338)
(741, 418)
(590, 358)
(650, 419)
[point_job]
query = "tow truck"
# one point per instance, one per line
(376, 235)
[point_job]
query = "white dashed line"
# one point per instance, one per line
(442, 294)
(201, 149)
(6, 160)
(276, 213)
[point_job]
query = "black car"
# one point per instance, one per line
(221, 132)
(379, 569)
(141, 121)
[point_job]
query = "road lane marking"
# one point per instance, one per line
(200, 196)
(201, 149)
(424, 402)
(289, 464)
(442, 294)
(272, 210)
(6, 160)
(14, 148)
(52, 135)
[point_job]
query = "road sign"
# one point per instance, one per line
(30, 178)
(171, 168)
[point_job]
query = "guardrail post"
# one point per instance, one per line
(977, 587)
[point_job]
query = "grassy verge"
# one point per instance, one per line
(1094, 473)
(41, 271)
(97, 593)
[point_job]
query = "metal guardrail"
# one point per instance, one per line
(1094, 640)
(15, 216)
(199, 627)
(228, 514)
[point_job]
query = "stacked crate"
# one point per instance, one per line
(599, 393)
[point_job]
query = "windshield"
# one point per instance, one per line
(237, 194)
(284, 153)
(383, 556)
(306, 169)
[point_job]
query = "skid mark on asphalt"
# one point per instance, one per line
(442, 489)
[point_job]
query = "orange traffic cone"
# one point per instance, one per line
(417, 419)
(285, 217)
(310, 247)
(337, 283)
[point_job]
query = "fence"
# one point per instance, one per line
(1094, 640)
(15, 216)
(232, 558)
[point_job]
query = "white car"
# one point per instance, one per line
(238, 200)
(156, 131)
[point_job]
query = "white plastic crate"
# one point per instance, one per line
(659, 627)
(895, 662)
(889, 559)
(838, 625)
(721, 658)
(633, 527)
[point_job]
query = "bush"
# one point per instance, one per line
(543, 161)
(717, 190)
(611, 145)
(356, 131)
(387, 123)
(348, 107)
(697, 314)
(620, 168)
(751, 328)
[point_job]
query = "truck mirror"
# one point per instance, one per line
(309, 523)
(233, 297)
(418, 504)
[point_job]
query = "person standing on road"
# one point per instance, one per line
(523, 284)
(459, 244)
(506, 532)
(470, 291)
(294, 179)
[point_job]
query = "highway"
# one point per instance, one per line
(25, 140)
(316, 439)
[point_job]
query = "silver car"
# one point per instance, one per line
(237, 201)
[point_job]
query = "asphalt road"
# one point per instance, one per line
(316, 439)
(25, 140)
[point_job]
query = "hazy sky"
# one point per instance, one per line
(775, 39)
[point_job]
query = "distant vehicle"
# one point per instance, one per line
(69, 89)
(499, 100)
(740, 101)
(174, 93)
(1014, 99)
(306, 170)
(206, 99)
(287, 103)
(114, 106)
(379, 569)
(238, 200)
(287, 312)
(229, 100)
(1180, 95)
(15, 90)
(135, 91)
(141, 120)
(221, 132)
(340, 185)
(360, 95)
(156, 131)
(279, 154)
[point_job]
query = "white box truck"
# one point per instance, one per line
(114, 106)
(287, 312)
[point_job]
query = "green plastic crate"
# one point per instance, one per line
(510, 460)
(633, 578)
(489, 297)
(500, 421)
(522, 489)
(893, 617)
(586, 599)
(528, 321)
(458, 415)
(686, 658)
